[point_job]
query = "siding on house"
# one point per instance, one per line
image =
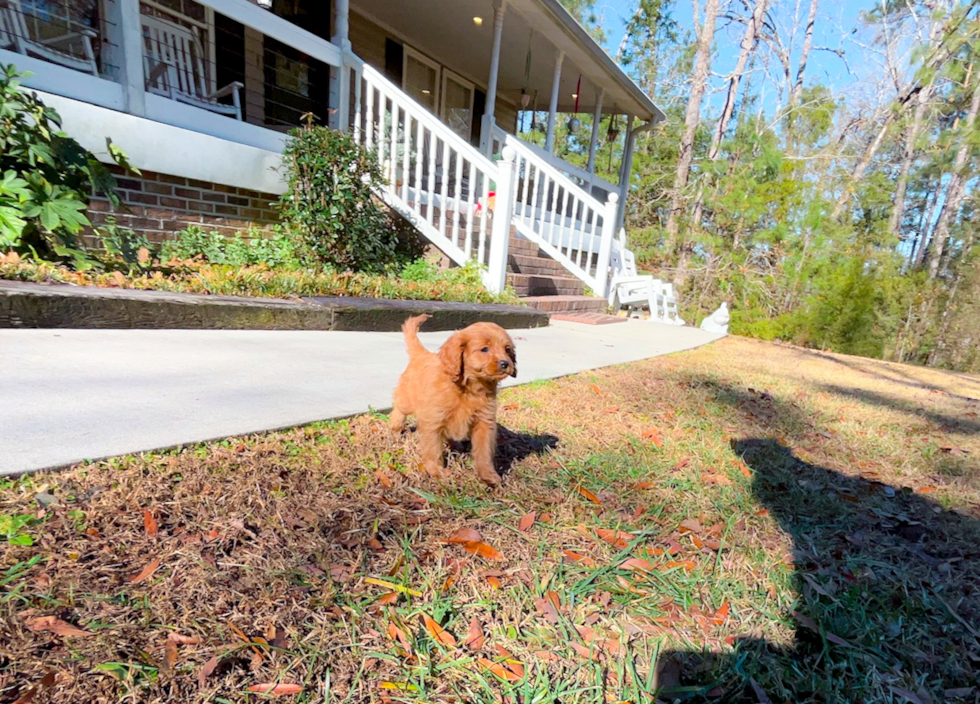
(368, 42)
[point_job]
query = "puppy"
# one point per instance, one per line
(453, 394)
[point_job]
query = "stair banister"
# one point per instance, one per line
(503, 214)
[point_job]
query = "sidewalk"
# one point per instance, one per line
(69, 395)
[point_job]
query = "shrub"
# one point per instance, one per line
(330, 205)
(46, 177)
(277, 251)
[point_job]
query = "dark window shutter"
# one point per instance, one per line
(394, 61)
(479, 105)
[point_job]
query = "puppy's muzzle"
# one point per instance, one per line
(508, 367)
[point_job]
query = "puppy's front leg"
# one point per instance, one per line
(430, 447)
(484, 440)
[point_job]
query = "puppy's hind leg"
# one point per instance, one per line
(396, 419)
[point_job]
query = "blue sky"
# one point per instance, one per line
(835, 21)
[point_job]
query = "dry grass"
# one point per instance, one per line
(748, 481)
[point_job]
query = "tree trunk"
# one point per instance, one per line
(804, 55)
(749, 42)
(692, 118)
(955, 192)
(908, 156)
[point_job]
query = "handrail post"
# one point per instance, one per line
(503, 213)
(605, 244)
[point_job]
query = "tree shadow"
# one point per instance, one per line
(888, 595)
(949, 423)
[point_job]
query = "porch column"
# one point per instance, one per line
(340, 118)
(549, 143)
(625, 172)
(596, 119)
(489, 121)
(125, 48)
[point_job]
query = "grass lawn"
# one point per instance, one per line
(744, 522)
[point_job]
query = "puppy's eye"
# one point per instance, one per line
(485, 349)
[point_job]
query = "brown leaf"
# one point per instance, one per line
(717, 479)
(690, 525)
(145, 573)
(120, 279)
(47, 682)
(808, 622)
(475, 638)
(548, 610)
(276, 690)
(589, 495)
(399, 636)
(527, 520)
(686, 565)
(387, 599)
(645, 485)
(595, 388)
(143, 255)
(654, 436)
(494, 581)
(183, 640)
(499, 670)
(583, 651)
(169, 655)
(546, 655)
(149, 523)
(509, 407)
(616, 538)
(383, 478)
(55, 625)
(465, 535)
(340, 573)
(638, 564)
(721, 614)
(578, 557)
(440, 634)
(206, 670)
(483, 550)
(926, 490)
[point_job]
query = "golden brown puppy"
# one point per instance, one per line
(453, 394)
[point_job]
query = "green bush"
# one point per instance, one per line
(277, 251)
(124, 246)
(330, 205)
(46, 177)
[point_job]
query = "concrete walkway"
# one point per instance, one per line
(68, 395)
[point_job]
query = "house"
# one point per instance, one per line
(200, 94)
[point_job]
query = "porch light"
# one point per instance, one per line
(613, 131)
(525, 98)
(265, 4)
(478, 21)
(574, 124)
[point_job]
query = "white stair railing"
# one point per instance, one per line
(567, 223)
(435, 179)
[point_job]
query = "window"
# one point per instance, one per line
(457, 103)
(421, 79)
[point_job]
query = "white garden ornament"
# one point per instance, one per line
(717, 321)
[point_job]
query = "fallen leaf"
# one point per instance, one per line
(595, 388)
(440, 634)
(589, 495)
(499, 670)
(548, 610)
(475, 638)
(636, 563)
(494, 581)
(578, 557)
(925, 490)
(400, 637)
(276, 690)
(690, 525)
(583, 651)
(169, 655)
(909, 695)
(149, 523)
(746, 472)
(145, 573)
(717, 479)
(392, 586)
(383, 478)
(616, 538)
(47, 682)
(465, 535)
(387, 599)
(340, 573)
(183, 640)
(808, 622)
(546, 655)
(527, 520)
(55, 625)
(206, 670)
(653, 435)
(509, 407)
(483, 550)
(645, 485)
(120, 279)
(686, 565)
(721, 614)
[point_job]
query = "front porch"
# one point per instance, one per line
(205, 91)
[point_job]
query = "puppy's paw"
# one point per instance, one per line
(436, 472)
(490, 478)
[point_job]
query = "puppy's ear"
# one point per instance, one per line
(451, 356)
(512, 353)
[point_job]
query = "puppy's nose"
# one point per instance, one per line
(504, 364)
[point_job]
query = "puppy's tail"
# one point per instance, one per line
(411, 329)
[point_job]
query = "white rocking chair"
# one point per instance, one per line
(174, 66)
(633, 290)
(14, 35)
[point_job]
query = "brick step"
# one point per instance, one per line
(556, 304)
(539, 266)
(525, 248)
(527, 285)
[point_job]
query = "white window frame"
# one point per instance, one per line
(448, 75)
(434, 65)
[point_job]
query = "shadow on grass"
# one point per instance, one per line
(888, 602)
(512, 447)
(949, 423)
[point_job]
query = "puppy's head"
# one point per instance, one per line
(481, 351)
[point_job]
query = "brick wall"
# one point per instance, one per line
(159, 205)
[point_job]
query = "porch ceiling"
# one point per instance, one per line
(444, 29)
